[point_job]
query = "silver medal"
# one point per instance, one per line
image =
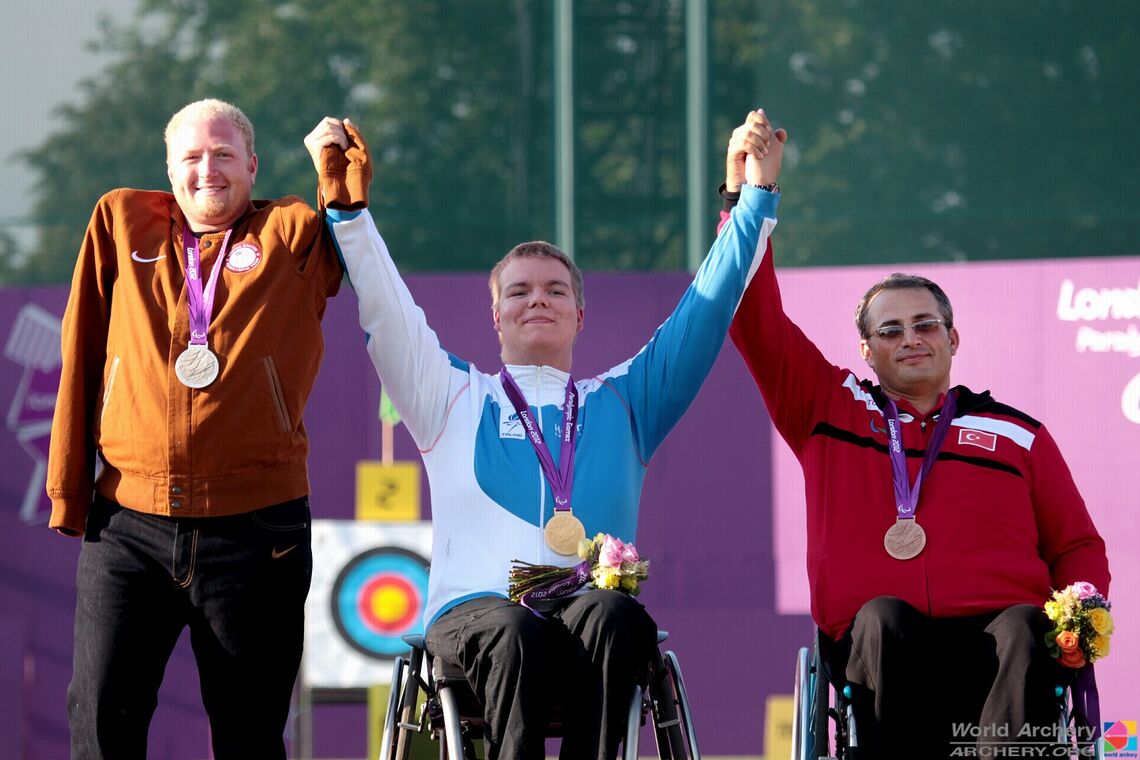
(196, 367)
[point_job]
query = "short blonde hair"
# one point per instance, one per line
(538, 249)
(208, 109)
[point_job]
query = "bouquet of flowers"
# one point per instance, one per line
(1082, 625)
(607, 562)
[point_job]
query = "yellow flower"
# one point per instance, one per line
(629, 583)
(607, 577)
(1052, 610)
(585, 546)
(1101, 621)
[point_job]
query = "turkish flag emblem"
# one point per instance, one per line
(979, 438)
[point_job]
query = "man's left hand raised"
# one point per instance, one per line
(343, 163)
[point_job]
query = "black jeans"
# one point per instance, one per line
(940, 687)
(238, 582)
(586, 656)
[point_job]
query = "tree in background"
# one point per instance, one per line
(944, 130)
(452, 96)
(920, 131)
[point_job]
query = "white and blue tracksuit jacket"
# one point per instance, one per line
(489, 497)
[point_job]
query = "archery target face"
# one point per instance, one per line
(369, 588)
(378, 597)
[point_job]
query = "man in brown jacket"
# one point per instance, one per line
(191, 341)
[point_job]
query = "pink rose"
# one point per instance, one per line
(629, 554)
(610, 553)
(1084, 590)
(1068, 641)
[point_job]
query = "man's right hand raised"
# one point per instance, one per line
(763, 168)
(752, 138)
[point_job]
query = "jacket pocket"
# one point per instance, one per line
(111, 373)
(275, 393)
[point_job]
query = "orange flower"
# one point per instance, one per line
(1072, 658)
(1068, 641)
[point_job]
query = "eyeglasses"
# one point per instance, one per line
(922, 327)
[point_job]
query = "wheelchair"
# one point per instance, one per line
(823, 717)
(451, 714)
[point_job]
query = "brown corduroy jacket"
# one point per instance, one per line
(163, 448)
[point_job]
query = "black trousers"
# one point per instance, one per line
(238, 583)
(585, 656)
(934, 688)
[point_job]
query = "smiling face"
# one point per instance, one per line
(536, 312)
(913, 367)
(211, 172)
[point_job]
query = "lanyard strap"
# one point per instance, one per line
(201, 300)
(561, 476)
(906, 495)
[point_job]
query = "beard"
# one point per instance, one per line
(210, 207)
(213, 209)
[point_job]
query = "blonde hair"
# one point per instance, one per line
(538, 249)
(208, 109)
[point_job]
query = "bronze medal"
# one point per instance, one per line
(905, 539)
(563, 532)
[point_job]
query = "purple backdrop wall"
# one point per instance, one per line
(706, 523)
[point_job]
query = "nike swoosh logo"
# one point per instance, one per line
(141, 260)
(279, 554)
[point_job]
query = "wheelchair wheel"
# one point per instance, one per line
(801, 707)
(674, 666)
(818, 723)
(456, 742)
(406, 716)
(391, 727)
(669, 705)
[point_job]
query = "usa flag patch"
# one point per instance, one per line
(979, 438)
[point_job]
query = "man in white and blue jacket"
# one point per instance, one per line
(491, 494)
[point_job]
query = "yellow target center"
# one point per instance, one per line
(389, 604)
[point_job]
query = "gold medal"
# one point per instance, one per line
(196, 367)
(905, 539)
(563, 532)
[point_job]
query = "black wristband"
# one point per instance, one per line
(730, 199)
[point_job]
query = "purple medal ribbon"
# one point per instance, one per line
(906, 496)
(560, 588)
(201, 300)
(560, 477)
(1086, 703)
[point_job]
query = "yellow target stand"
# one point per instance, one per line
(387, 490)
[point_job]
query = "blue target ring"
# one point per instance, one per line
(377, 598)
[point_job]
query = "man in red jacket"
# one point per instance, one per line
(938, 518)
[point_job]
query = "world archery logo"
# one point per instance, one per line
(1119, 739)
